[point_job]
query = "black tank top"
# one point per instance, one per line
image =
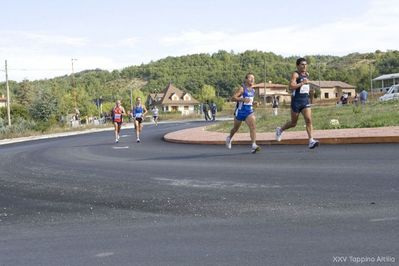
(299, 79)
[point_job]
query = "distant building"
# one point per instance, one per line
(384, 82)
(266, 94)
(173, 99)
(332, 89)
(154, 99)
(3, 101)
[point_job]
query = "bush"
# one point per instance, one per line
(19, 127)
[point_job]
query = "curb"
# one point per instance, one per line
(200, 135)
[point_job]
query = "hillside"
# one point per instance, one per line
(51, 99)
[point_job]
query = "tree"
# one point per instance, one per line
(24, 93)
(207, 92)
(44, 106)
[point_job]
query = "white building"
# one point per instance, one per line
(384, 82)
(173, 100)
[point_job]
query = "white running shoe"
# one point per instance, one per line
(116, 140)
(138, 140)
(279, 133)
(313, 144)
(228, 142)
(255, 148)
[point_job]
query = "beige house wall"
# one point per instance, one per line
(183, 109)
(336, 93)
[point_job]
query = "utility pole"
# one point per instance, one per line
(318, 69)
(73, 84)
(8, 98)
(371, 78)
(264, 90)
(131, 98)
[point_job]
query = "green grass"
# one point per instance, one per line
(374, 114)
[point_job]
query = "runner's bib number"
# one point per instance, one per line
(251, 100)
(305, 89)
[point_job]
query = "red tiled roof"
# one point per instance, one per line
(331, 84)
(270, 86)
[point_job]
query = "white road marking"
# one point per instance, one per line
(120, 147)
(104, 254)
(211, 184)
(384, 219)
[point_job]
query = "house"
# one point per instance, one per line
(385, 82)
(3, 101)
(332, 89)
(154, 99)
(174, 100)
(278, 90)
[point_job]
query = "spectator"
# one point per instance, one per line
(275, 102)
(363, 96)
(205, 109)
(344, 98)
(213, 111)
(356, 100)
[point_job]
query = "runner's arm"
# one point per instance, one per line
(293, 84)
(237, 95)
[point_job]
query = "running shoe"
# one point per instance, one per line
(228, 142)
(138, 140)
(279, 133)
(313, 144)
(116, 140)
(255, 148)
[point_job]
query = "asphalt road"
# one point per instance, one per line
(84, 200)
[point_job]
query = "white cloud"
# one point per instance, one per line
(36, 55)
(375, 29)
(131, 42)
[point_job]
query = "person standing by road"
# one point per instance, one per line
(363, 97)
(275, 102)
(213, 111)
(139, 111)
(244, 96)
(117, 112)
(300, 88)
(205, 109)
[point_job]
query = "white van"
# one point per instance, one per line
(392, 94)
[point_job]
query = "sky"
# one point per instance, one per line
(44, 38)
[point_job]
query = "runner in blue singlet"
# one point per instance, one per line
(139, 111)
(244, 97)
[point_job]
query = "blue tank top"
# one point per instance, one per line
(249, 93)
(299, 93)
(138, 111)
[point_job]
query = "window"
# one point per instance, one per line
(186, 107)
(174, 108)
(175, 97)
(326, 95)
